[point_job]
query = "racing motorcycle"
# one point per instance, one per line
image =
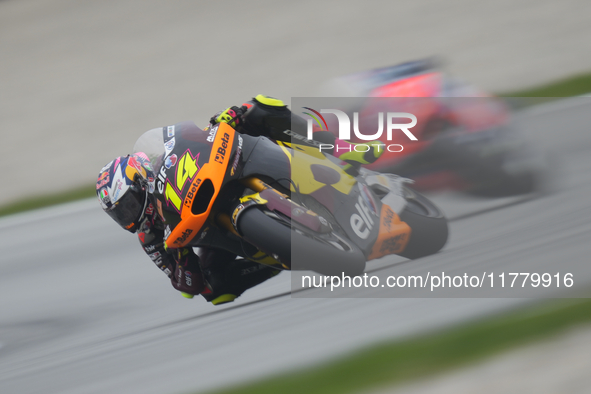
(283, 205)
(466, 140)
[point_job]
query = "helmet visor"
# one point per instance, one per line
(129, 209)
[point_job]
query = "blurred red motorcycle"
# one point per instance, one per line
(465, 138)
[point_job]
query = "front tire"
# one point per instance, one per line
(302, 248)
(429, 226)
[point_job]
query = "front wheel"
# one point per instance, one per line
(303, 249)
(428, 224)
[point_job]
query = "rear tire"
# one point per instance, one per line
(429, 226)
(302, 248)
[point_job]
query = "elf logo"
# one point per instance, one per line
(361, 222)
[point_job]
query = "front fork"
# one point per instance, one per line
(279, 203)
(229, 223)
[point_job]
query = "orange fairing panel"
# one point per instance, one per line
(215, 171)
(394, 234)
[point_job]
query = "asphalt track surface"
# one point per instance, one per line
(84, 310)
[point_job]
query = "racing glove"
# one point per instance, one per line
(187, 277)
(232, 116)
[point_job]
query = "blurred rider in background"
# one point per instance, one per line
(125, 194)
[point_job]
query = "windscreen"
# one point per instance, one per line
(152, 144)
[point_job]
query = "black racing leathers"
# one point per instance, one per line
(212, 274)
(180, 265)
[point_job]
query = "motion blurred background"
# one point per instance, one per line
(84, 79)
(80, 81)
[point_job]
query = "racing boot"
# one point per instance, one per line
(228, 278)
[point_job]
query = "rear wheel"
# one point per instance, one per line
(303, 249)
(428, 224)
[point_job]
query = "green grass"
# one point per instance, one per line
(573, 86)
(569, 87)
(391, 363)
(48, 200)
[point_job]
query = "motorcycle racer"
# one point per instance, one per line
(125, 187)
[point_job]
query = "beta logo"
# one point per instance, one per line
(221, 152)
(345, 128)
(191, 192)
(183, 236)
